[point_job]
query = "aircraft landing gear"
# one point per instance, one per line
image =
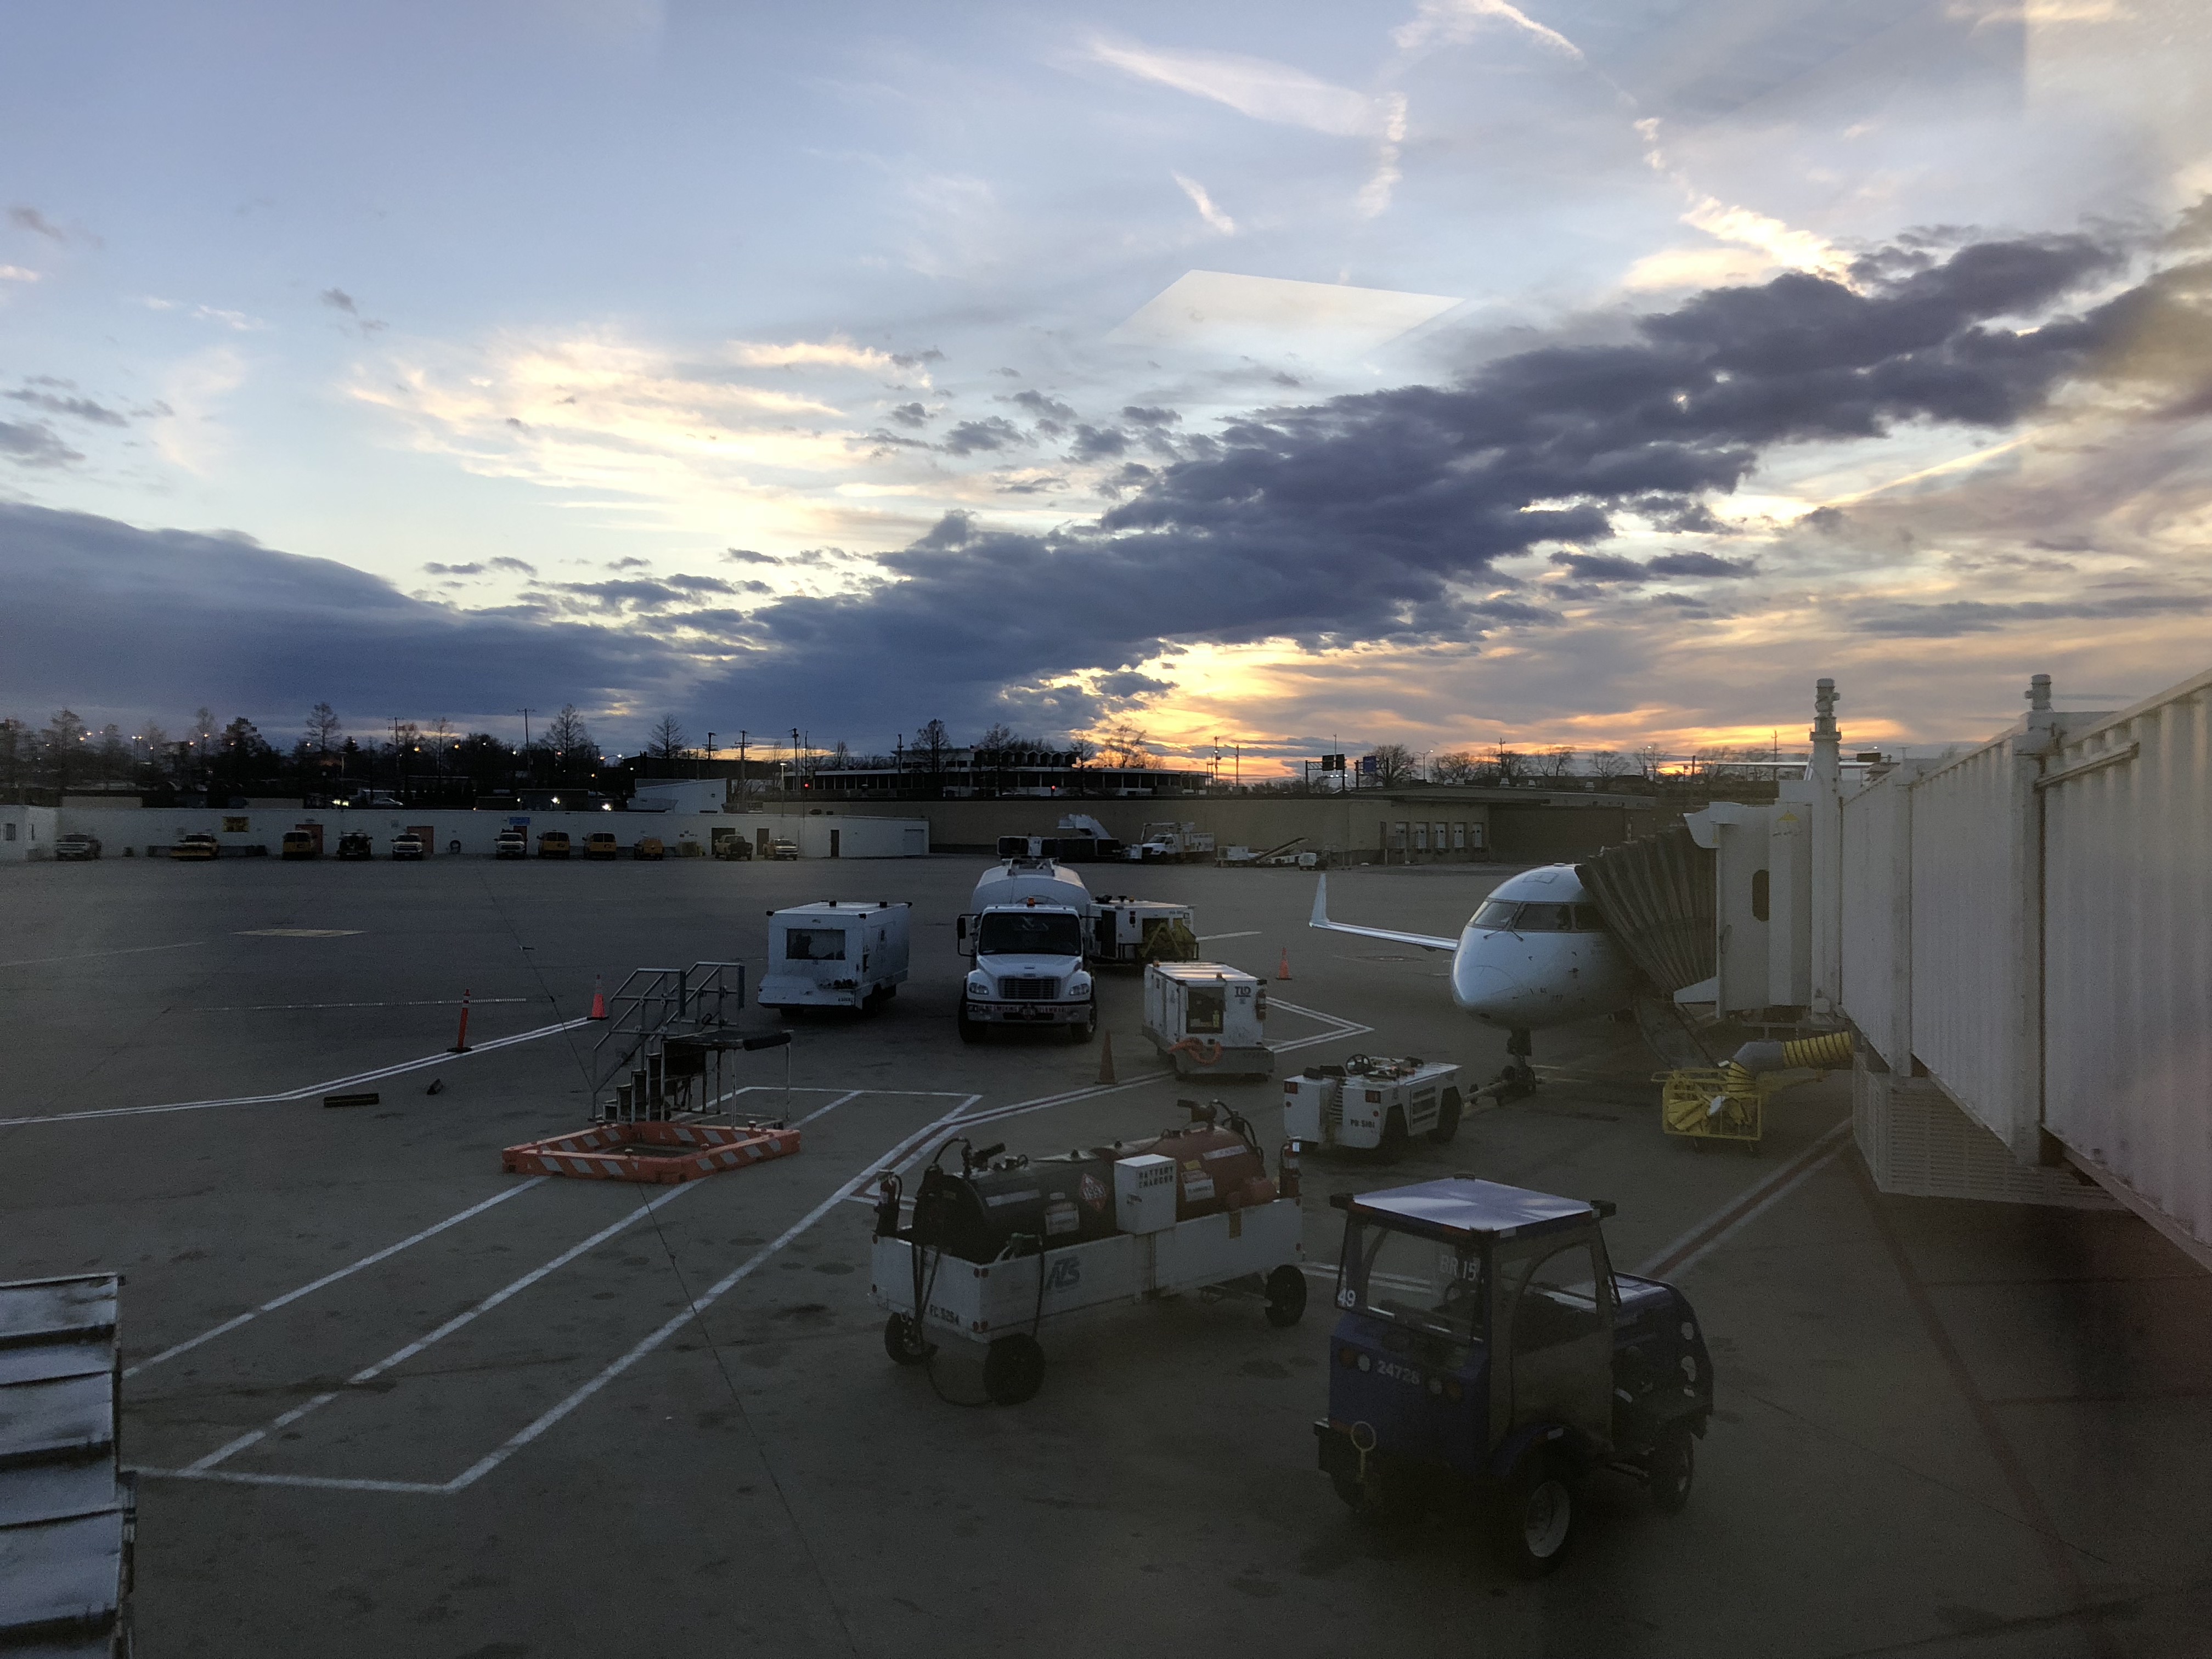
(1519, 1077)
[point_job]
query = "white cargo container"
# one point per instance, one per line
(1372, 1103)
(1208, 1019)
(1131, 931)
(838, 953)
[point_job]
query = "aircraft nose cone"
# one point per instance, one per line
(1482, 987)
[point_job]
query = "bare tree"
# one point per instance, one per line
(1652, 760)
(114, 755)
(203, 731)
(1000, 736)
(1557, 762)
(1509, 763)
(1606, 764)
(1081, 751)
(1456, 765)
(1395, 764)
(666, 743)
(63, 742)
(932, 741)
(323, 730)
(1128, 744)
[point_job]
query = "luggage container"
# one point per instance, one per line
(1371, 1103)
(838, 953)
(1208, 1019)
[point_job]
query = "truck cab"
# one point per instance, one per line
(1486, 1348)
(1027, 970)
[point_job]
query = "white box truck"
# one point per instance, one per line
(1208, 1019)
(837, 953)
(1372, 1104)
(1028, 929)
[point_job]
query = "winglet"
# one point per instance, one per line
(1320, 918)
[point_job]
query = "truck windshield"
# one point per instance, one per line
(1423, 1282)
(1029, 933)
(814, 945)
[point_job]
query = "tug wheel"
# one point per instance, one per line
(1013, 1370)
(1448, 1110)
(1286, 1296)
(1535, 1518)
(1395, 1137)
(1671, 1468)
(904, 1341)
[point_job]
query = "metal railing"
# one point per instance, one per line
(665, 1050)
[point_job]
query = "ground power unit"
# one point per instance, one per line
(1371, 1103)
(1209, 1020)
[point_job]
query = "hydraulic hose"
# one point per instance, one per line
(1826, 1053)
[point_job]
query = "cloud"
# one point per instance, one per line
(1256, 87)
(1204, 202)
(82, 408)
(99, 612)
(1042, 407)
(994, 432)
(816, 354)
(1456, 22)
(910, 415)
(30, 219)
(338, 300)
(29, 443)
(1693, 564)
(17, 274)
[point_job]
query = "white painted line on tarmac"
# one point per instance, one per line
(442, 1058)
(853, 1094)
(468, 1316)
(86, 956)
(1724, 1224)
(1208, 939)
(350, 1268)
(301, 1007)
(324, 1482)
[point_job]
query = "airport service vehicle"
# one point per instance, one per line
(1028, 929)
(409, 846)
(1208, 1019)
(1171, 843)
(511, 843)
(197, 845)
(648, 846)
(839, 953)
(601, 844)
(1372, 1104)
(1486, 1348)
(553, 844)
(1011, 1244)
(1128, 932)
(783, 849)
(356, 844)
(76, 846)
(300, 844)
(1535, 953)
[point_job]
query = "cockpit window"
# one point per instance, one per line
(1495, 913)
(1587, 920)
(1545, 919)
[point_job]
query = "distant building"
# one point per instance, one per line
(989, 773)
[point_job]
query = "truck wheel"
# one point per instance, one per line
(1534, 1520)
(1395, 1137)
(904, 1341)
(1671, 1466)
(1286, 1296)
(1447, 1118)
(971, 1030)
(1013, 1370)
(1085, 1029)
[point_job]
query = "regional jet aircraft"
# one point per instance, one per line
(1535, 953)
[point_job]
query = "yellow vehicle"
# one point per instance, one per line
(648, 846)
(193, 846)
(300, 844)
(553, 844)
(599, 844)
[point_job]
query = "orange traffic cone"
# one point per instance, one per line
(599, 999)
(1106, 1058)
(1284, 971)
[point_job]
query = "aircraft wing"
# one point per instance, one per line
(1425, 941)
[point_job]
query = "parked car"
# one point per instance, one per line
(356, 844)
(601, 844)
(300, 844)
(407, 846)
(731, 845)
(511, 844)
(783, 849)
(553, 844)
(76, 847)
(197, 845)
(648, 846)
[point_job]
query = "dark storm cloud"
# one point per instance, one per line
(32, 443)
(1098, 443)
(1601, 567)
(98, 612)
(1366, 517)
(1042, 407)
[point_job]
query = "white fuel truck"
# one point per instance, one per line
(1027, 929)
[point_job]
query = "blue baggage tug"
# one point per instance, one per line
(1485, 1346)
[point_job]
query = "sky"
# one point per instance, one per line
(1299, 377)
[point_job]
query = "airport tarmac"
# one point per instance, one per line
(388, 1400)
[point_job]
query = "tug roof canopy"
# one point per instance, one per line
(1460, 1207)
